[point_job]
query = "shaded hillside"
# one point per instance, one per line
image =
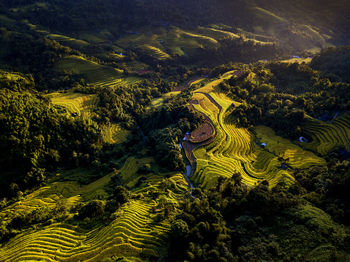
(298, 25)
(334, 63)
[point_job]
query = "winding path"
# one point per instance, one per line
(190, 147)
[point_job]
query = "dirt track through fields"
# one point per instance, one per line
(188, 146)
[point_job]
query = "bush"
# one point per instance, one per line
(93, 209)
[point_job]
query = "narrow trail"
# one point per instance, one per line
(190, 147)
(187, 173)
(211, 99)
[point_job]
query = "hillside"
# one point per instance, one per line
(174, 130)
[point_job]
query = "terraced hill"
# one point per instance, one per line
(78, 104)
(136, 232)
(131, 235)
(233, 150)
(237, 150)
(328, 136)
(93, 71)
(113, 133)
(293, 154)
(168, 42)
(74, 103)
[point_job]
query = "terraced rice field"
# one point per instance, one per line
(236, 150)
(328, 136)
(166, 42)
(74, 103)
(133, 234)
(343, 125)
(158, 102)
(115, 82)
(114, 134)
(294, 155)
(211, 85)
(162, 43)
(69, 41)
(92, 71)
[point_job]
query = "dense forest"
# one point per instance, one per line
(232, 223)
(36, 136)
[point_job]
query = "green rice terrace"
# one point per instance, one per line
(139, 229)
(171, 131)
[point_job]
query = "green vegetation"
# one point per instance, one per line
(174, 130)
(234, 150)
(92, 71)
(37, 136)
(273, 225)
(333, 63)
(74, 103)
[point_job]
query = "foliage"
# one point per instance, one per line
(281, 95)
(93, 209)
(334, 63)
(37, 56)
(132, 53)
(234, 223)
(165, 126)
(36, 136)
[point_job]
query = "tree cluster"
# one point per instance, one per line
(35, 138)
(281, 95)
(234, 223)
(165, 126)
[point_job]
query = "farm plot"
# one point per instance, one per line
(74, 103)
(327, 136)
(134, 234)
(131, 235)
(114, 134)
(233, 150)
(92, 71)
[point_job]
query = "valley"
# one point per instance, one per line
(174, 131)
